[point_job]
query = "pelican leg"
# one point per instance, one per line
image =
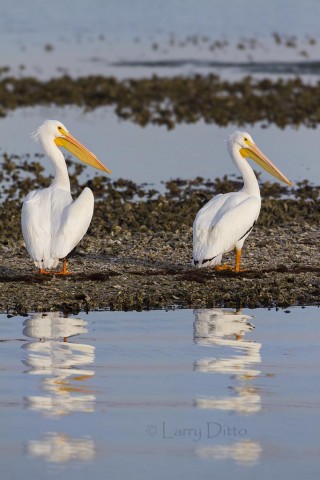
(64, 270)
(237, 267)
(219, 268)
(238, 257)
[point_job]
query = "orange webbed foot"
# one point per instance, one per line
(64, 270)
(42, 271)
(220, 268)
(236, 269)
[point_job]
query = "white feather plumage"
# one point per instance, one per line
(52, 223)
(224, 223)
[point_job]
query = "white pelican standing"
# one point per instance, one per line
(226, 220)
(52, 223)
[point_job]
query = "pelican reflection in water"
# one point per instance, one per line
(62, 448)
(227, 329)
(64, 368)
(62, 364)
(221, 328)
(244, 453)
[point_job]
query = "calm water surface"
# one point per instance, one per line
(154, 154)
(179, 394)
(99, 36)
(163, 37)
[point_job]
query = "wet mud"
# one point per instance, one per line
(137, 252)
(174, 100)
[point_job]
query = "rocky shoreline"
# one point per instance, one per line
(137, 253)
(154, 272)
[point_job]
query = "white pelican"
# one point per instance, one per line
(52, 223)
(226, 220)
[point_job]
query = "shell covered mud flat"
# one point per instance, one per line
(137, 252)
(171, 101)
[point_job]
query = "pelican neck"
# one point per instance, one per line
(61, 178)
(250, 182)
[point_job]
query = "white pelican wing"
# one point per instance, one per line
(52, 224)
(36, 224)
(222, 222)
(74, 222)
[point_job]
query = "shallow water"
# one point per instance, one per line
(161, 394)
(154, 154)
(142, 38)
(93, 36)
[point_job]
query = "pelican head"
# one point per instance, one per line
(244, 144)
(55, 131)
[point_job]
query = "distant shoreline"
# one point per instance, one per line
(173, 100)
